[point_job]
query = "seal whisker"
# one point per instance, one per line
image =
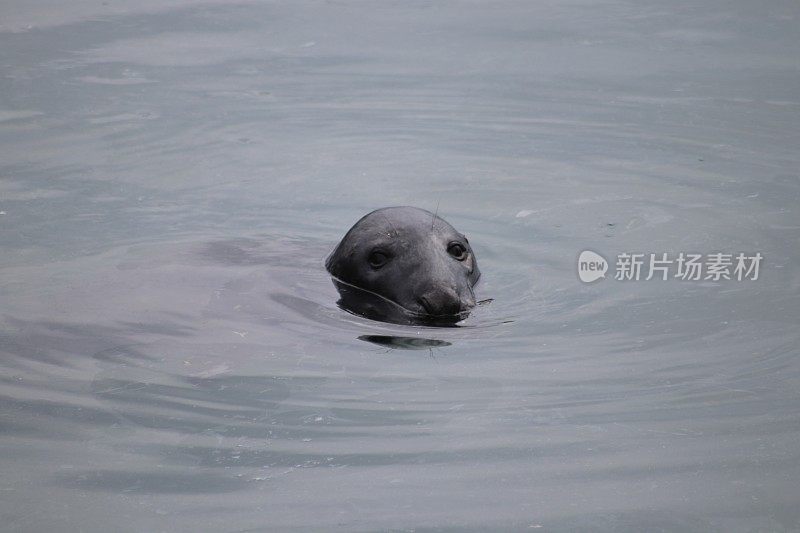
(382, 297)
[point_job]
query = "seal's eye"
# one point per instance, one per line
(377, 259)
(457, 250)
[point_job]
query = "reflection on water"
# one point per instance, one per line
(173, 175)
(404, 343)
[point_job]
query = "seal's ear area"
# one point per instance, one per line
(334, 260)
(330, 262)
(337, 264)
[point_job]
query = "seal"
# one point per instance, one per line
(405, 265)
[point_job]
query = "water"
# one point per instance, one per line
(173, 175)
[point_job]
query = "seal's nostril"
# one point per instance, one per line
(426, 304)
(441, 302)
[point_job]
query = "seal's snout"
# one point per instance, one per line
(443, 302)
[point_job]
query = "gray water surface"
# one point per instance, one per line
(173, 174)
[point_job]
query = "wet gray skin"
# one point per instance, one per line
(405, 265)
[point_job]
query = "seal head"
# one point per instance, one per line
(405, 265)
